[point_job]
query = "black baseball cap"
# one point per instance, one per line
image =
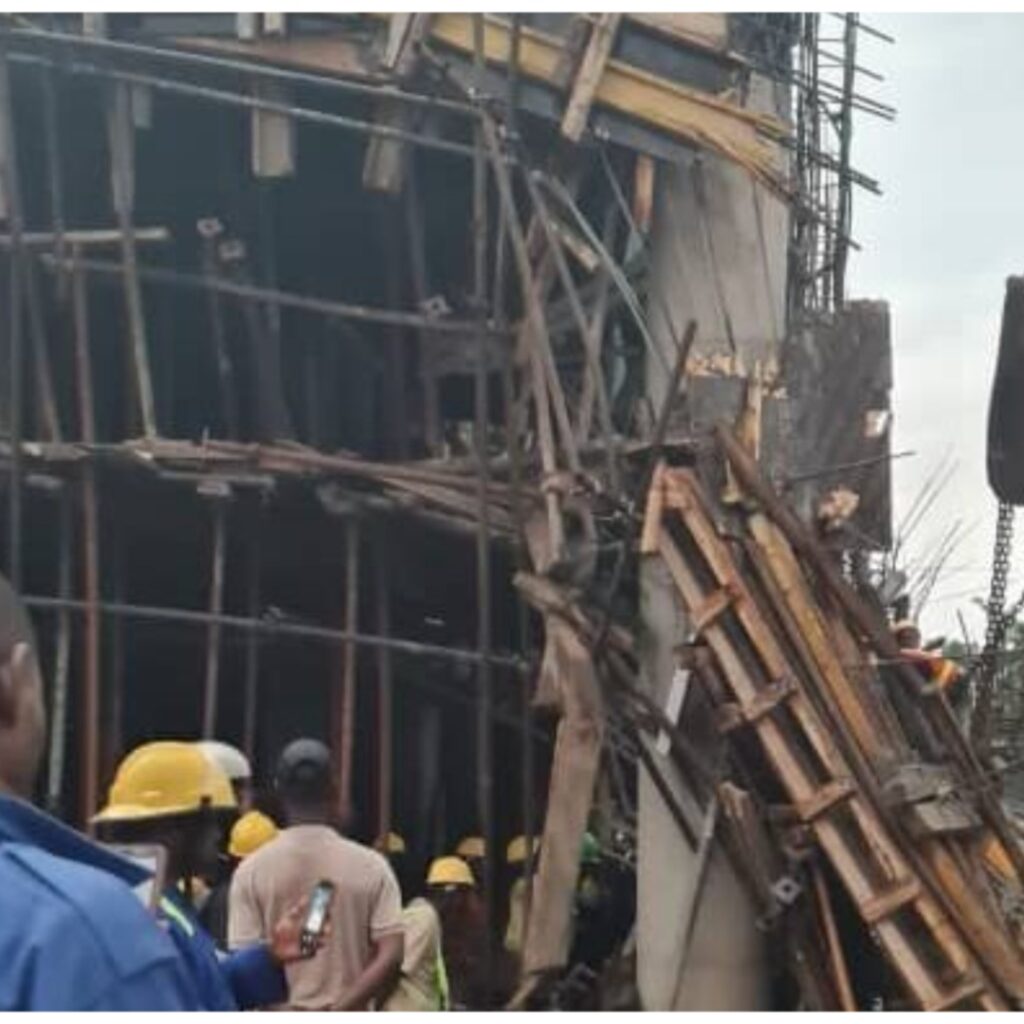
(304, 769)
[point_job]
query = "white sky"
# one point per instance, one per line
(938, 245)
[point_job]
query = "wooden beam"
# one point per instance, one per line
(384, 165)
(706, 31)
(699, 118)
(584, 89)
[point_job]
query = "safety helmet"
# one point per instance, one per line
(231, 761)
(165, 778)
(391, 844)
(472, 847)
(515, 852)
(450, 871)
(590, 849)
(249, 833)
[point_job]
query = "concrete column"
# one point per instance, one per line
(719, 256)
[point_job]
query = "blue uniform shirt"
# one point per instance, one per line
(73, 936)
(242, 980)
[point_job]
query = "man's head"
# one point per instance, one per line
(907, 635)
(171, 794)
(303, 780)
(450, 883)
(22, 716)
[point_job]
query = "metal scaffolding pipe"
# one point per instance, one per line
(233, 99)
(211, 682)
(219, 63)
(273, 296)
(346, 718)
(275, 627)
(481, 417)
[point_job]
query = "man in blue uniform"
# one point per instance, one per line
(172, 795)
(73, 935)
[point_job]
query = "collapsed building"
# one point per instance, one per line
(352, 363)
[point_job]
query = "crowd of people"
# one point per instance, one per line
(189, 896)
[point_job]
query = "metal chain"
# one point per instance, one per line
(995, 630)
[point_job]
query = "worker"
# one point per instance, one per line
(423, 985)
(473, 850)
(171, 795)
(933, 668)
(361, 960)
(235, 765)
(248, 834)
(73, 935)
(391, 846)
(516, 859)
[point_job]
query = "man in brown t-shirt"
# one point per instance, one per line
(362, 956)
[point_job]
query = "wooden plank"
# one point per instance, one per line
(914, 967)
(681, 490)
(950, 816)
(889, 902)
(706, 30)
(584, 89)
(711, 609)
(789, 577)
(828, 798)
(771, 697)
(384, 164)
(652, 515)
(966, 990)
(878, 635)
(800, 785)
(700, 118)
(333, 54)
(840, 973)
(643, 192)
(1000, 953)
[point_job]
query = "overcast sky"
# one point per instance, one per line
(938, 245)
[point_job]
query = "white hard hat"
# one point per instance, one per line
(231, 761)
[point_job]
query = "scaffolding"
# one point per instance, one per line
(366, 393)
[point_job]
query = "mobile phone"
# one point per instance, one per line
(316, 916)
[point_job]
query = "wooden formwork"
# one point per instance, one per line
(831, 741)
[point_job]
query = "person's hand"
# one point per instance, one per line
(286, 945)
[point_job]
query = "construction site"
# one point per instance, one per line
(481, 394)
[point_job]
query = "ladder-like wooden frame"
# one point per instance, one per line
(922, 942)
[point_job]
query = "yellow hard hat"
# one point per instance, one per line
(472, 847)
(391, 844)
(249, 833)
(515, 852)
(165, 778)
(450, 871)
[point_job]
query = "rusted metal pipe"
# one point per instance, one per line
(481, 417)
(267, 626)
(122, 158)
(346, 719)
(211, 683)
(248, 68)
(385, 696)
(90, 544)
(233, 99)
(272, 296)
(252, 649)
(61, 666)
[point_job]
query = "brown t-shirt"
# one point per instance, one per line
(366, 906)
